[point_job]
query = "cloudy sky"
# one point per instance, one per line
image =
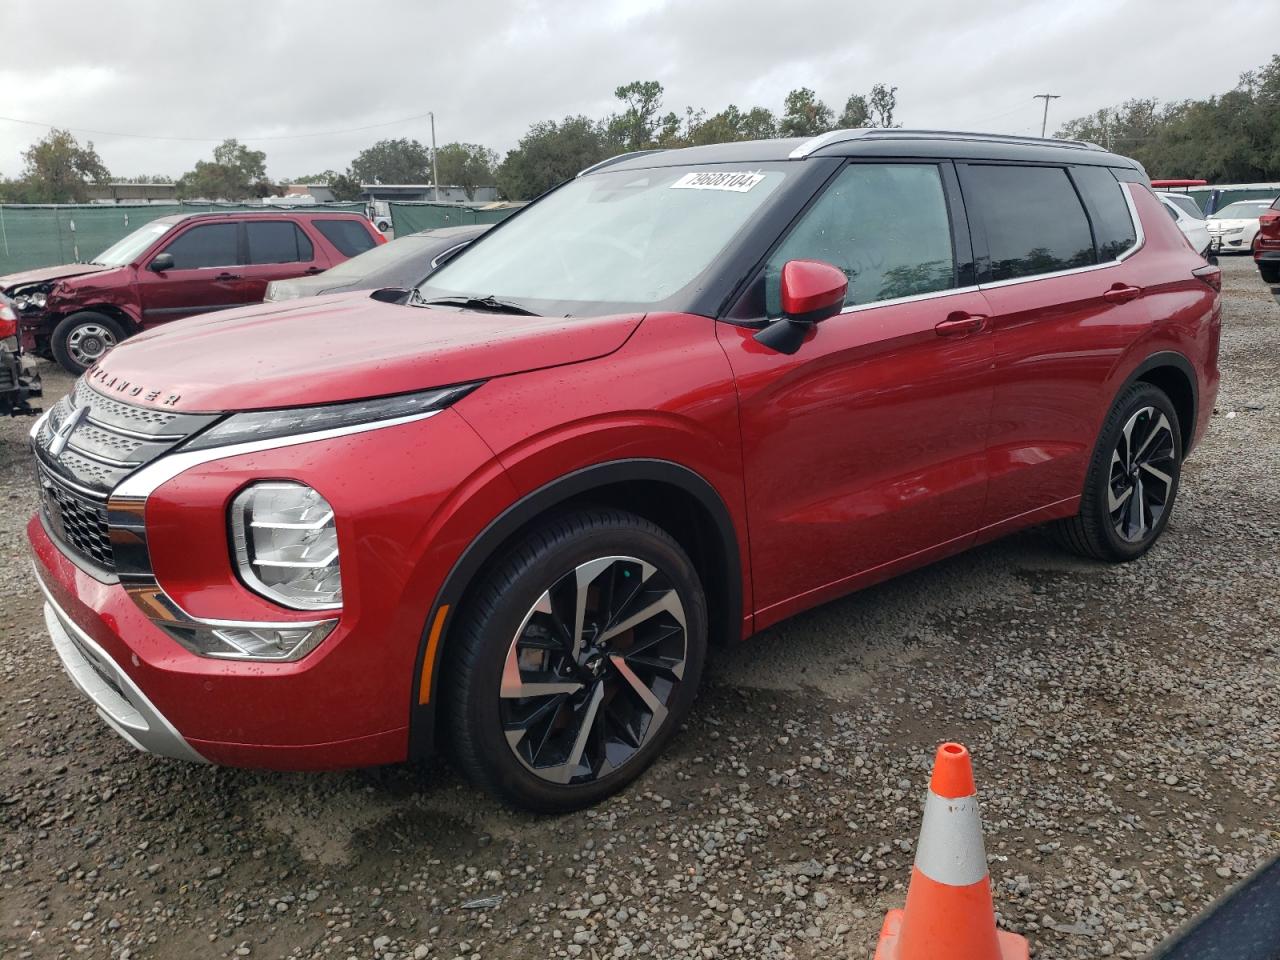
(155, 86)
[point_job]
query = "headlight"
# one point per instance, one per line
(286, 545)
(269, 424)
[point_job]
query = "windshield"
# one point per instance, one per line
(131, 247)
(609, 242)
(1242, 210)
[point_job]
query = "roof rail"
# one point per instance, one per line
(814, 144)
(616, 159)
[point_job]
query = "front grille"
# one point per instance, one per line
(84, 448)
(78, 521)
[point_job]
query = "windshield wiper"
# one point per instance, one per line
(490, 303)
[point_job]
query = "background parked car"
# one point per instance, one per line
(1189, 218)
(1235, 226)
(1266, 247)
(18, 382)
(404, 262)
(171, 268)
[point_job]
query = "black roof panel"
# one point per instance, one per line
(880, 143)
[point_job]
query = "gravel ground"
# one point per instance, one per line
(1123, 720)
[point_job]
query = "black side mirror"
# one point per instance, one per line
(161, 263)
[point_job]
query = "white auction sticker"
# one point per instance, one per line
(706, 180)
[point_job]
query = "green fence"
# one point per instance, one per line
(42, 236)
(409, 217)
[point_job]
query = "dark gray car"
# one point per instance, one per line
(404, 262)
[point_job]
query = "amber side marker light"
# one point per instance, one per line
(429, 658)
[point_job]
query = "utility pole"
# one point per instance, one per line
(1046, 97)
(435, 170)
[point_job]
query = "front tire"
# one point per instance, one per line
(575, 660)
(82, 339)
(1132, 481)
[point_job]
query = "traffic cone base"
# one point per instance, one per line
(1010, 945)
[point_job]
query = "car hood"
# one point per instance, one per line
(343, 347)
(44, 274)
(1230, 224)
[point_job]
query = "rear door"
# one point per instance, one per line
(276, 250)
(1052, 245)
(206, 274)
(346, 237)
(868, 445)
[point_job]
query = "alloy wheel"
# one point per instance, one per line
(590, 673)
(88, 342)
(1143, 467)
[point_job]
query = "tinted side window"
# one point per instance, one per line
(884, 224)
(1032, 217)
(211, 245)
(1108, 209)
(349, 236)
(277, 241)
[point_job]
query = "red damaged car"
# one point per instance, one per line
(679, 398)
(171, 268)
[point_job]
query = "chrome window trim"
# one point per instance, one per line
(914, 298)
(1140, 240)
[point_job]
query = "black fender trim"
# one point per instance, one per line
(422, 716)
(1169, 358)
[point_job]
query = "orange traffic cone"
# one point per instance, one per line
(949, 915)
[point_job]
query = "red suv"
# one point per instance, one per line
(1266, 247)
(679, 398)
(171, 268)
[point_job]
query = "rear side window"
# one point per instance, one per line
(210, 245)
(277, 241)
(1032, 217)
(1186, 205)
(1108, 209)
(884, 224)
(349, 236)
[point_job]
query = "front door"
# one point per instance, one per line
(867, 446)
(205, 276)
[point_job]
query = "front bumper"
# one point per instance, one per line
(119, 700)
(348, 702)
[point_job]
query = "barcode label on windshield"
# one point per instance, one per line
(734, 182)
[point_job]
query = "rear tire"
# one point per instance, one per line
(550, 706)
(1270, 271)
(82, 339)
(1132, 481)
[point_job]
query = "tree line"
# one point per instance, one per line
(1229, 138)
(58, 169)
(552, 151)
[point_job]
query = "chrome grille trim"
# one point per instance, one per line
(84, 447)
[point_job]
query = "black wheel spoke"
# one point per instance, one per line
(589, 674)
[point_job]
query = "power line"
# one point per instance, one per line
(144, 136)
(1046, 97)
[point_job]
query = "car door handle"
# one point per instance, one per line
(228, 276)
(312, 271)
(1120, 293)
(960, 324)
